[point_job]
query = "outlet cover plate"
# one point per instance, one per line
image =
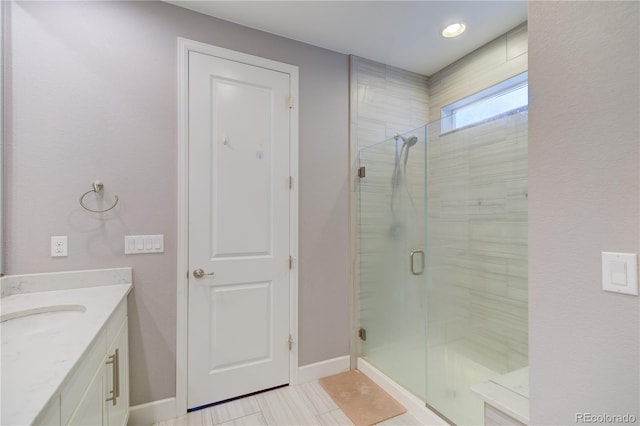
(59, 246)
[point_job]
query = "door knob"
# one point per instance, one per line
(199, 273)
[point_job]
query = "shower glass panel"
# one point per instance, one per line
(392, 262)
(476, 263)
(462, 198)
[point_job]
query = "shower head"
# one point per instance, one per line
(399, 175)
(411, 141)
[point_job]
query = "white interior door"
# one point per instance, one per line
(238, 229)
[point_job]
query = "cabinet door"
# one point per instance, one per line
(117, 379)
(90, 410)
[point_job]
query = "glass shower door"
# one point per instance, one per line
(392, 263)
(476, 263)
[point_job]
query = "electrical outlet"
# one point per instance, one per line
(59, 246)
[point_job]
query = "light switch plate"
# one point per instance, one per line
(141, 244)
(620, 272)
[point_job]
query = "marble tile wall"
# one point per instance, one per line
(477, 214)
(477, 240)
(383, 101)
(492, 63)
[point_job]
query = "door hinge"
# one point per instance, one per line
(290, 341)
(291, 102)
(362, 334)
(290, 182)
(290, 262)
(361, 172)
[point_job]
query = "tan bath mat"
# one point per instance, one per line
(364, 402)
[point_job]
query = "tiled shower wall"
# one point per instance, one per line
(477, 243)
(477, 214)
(494, 62)
(384, 100)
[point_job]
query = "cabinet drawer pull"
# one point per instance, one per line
(115, 362)
(116, 376)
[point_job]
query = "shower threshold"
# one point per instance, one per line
(414, 405)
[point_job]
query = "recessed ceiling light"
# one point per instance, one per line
(453, 30)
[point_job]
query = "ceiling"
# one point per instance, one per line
(405, 34)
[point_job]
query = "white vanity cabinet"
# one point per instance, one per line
(105, 400)
(97, 392)
(71, 368)
(90, 408)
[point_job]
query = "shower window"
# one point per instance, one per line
(509, 95)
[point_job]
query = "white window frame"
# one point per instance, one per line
(448, 112)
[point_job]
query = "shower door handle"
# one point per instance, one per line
(412, 262)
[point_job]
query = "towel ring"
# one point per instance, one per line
(97, 188)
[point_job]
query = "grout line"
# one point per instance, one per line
(242, 417)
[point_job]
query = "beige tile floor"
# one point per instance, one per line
(300, 405)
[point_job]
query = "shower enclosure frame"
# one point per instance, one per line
(519, 132)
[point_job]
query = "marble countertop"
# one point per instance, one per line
(39, 352)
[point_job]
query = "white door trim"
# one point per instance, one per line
(184, 47)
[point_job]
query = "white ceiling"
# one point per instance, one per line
(405, 34)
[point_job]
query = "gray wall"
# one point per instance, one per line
(584, 198)
(91, 94)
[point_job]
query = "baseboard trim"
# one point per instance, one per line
(413, 404)
(329, 367)
(152, 412)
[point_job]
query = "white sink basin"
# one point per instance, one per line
(44, 319)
